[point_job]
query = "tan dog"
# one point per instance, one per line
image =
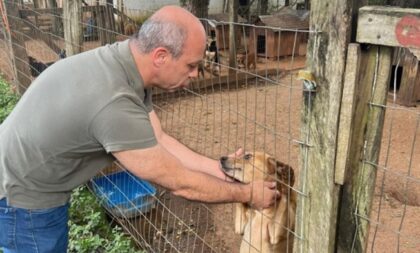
(129, 29)
(246, 60)
(267, 230)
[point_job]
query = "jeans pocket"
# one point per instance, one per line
(7, 226)
(49, 228)
(49, 217)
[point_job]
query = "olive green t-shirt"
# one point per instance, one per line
(64, 127)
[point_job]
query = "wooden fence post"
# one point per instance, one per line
(73, 32)
(20, 57)
(410, 83)
(371, 93)
(233, 18)
(326, 59)
(378, 25)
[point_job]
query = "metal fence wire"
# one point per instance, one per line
(247, 95)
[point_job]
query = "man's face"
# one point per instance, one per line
(178, 72)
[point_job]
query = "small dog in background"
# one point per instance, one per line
(212, 58)
(267, 230)
(129, 29)
(246, 60)
(37, 67)
(201, 69)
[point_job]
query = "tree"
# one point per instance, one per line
(200, 8)
(57, 25)
(262, 7)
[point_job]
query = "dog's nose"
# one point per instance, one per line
(223, 158)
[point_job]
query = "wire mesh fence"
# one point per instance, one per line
(246, 95)
(394, 223)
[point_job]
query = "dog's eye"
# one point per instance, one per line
(247, 156)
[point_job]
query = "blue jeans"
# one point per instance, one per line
(33, 230)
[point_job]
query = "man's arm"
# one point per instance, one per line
(159, 166)
(189, 158)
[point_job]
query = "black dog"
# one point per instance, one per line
(37, 67)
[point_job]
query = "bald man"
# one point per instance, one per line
(87, 110)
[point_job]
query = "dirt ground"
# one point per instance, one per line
(264, 114)
(224, 119)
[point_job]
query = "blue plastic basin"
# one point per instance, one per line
(125, 195)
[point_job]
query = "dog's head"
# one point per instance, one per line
(240, 58)
(257, 166)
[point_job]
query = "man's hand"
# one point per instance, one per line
(263, 194)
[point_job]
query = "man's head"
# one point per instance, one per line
(173, 41)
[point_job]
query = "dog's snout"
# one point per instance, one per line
(223, 158)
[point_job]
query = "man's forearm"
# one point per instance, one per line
(159, 166)
(216, 190)
(191, 159)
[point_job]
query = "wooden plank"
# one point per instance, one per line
(327, 49)
(389, 26)
(371, 93)
(44, 36)
(73, 32)
(406, 94)
(346, 112)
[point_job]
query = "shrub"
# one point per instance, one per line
(8, 99)
(89, 229)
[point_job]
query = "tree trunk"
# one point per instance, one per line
(73, 32)
(57, 25)
(262, 7)
(200, 8)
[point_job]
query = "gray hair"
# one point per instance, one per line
(156, 33)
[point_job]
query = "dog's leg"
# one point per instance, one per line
(240, 218)
(275, 226)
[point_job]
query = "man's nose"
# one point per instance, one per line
(194, 72)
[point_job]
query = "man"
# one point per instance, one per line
(84, 111)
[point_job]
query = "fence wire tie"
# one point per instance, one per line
(377, 105)
(303, 143)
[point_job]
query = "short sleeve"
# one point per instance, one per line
(123, 125)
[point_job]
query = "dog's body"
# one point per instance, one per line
(129, 29)
(267, 230)
(246, 60)
(200, 68)
(212, 58)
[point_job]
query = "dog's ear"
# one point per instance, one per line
(285, 173)
(271, 165)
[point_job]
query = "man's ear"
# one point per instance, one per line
(160, 56)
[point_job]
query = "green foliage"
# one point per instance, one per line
(8, 100)
(89, 230)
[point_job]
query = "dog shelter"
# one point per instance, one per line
(217, 27)
(333, 125)
(285, 42)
